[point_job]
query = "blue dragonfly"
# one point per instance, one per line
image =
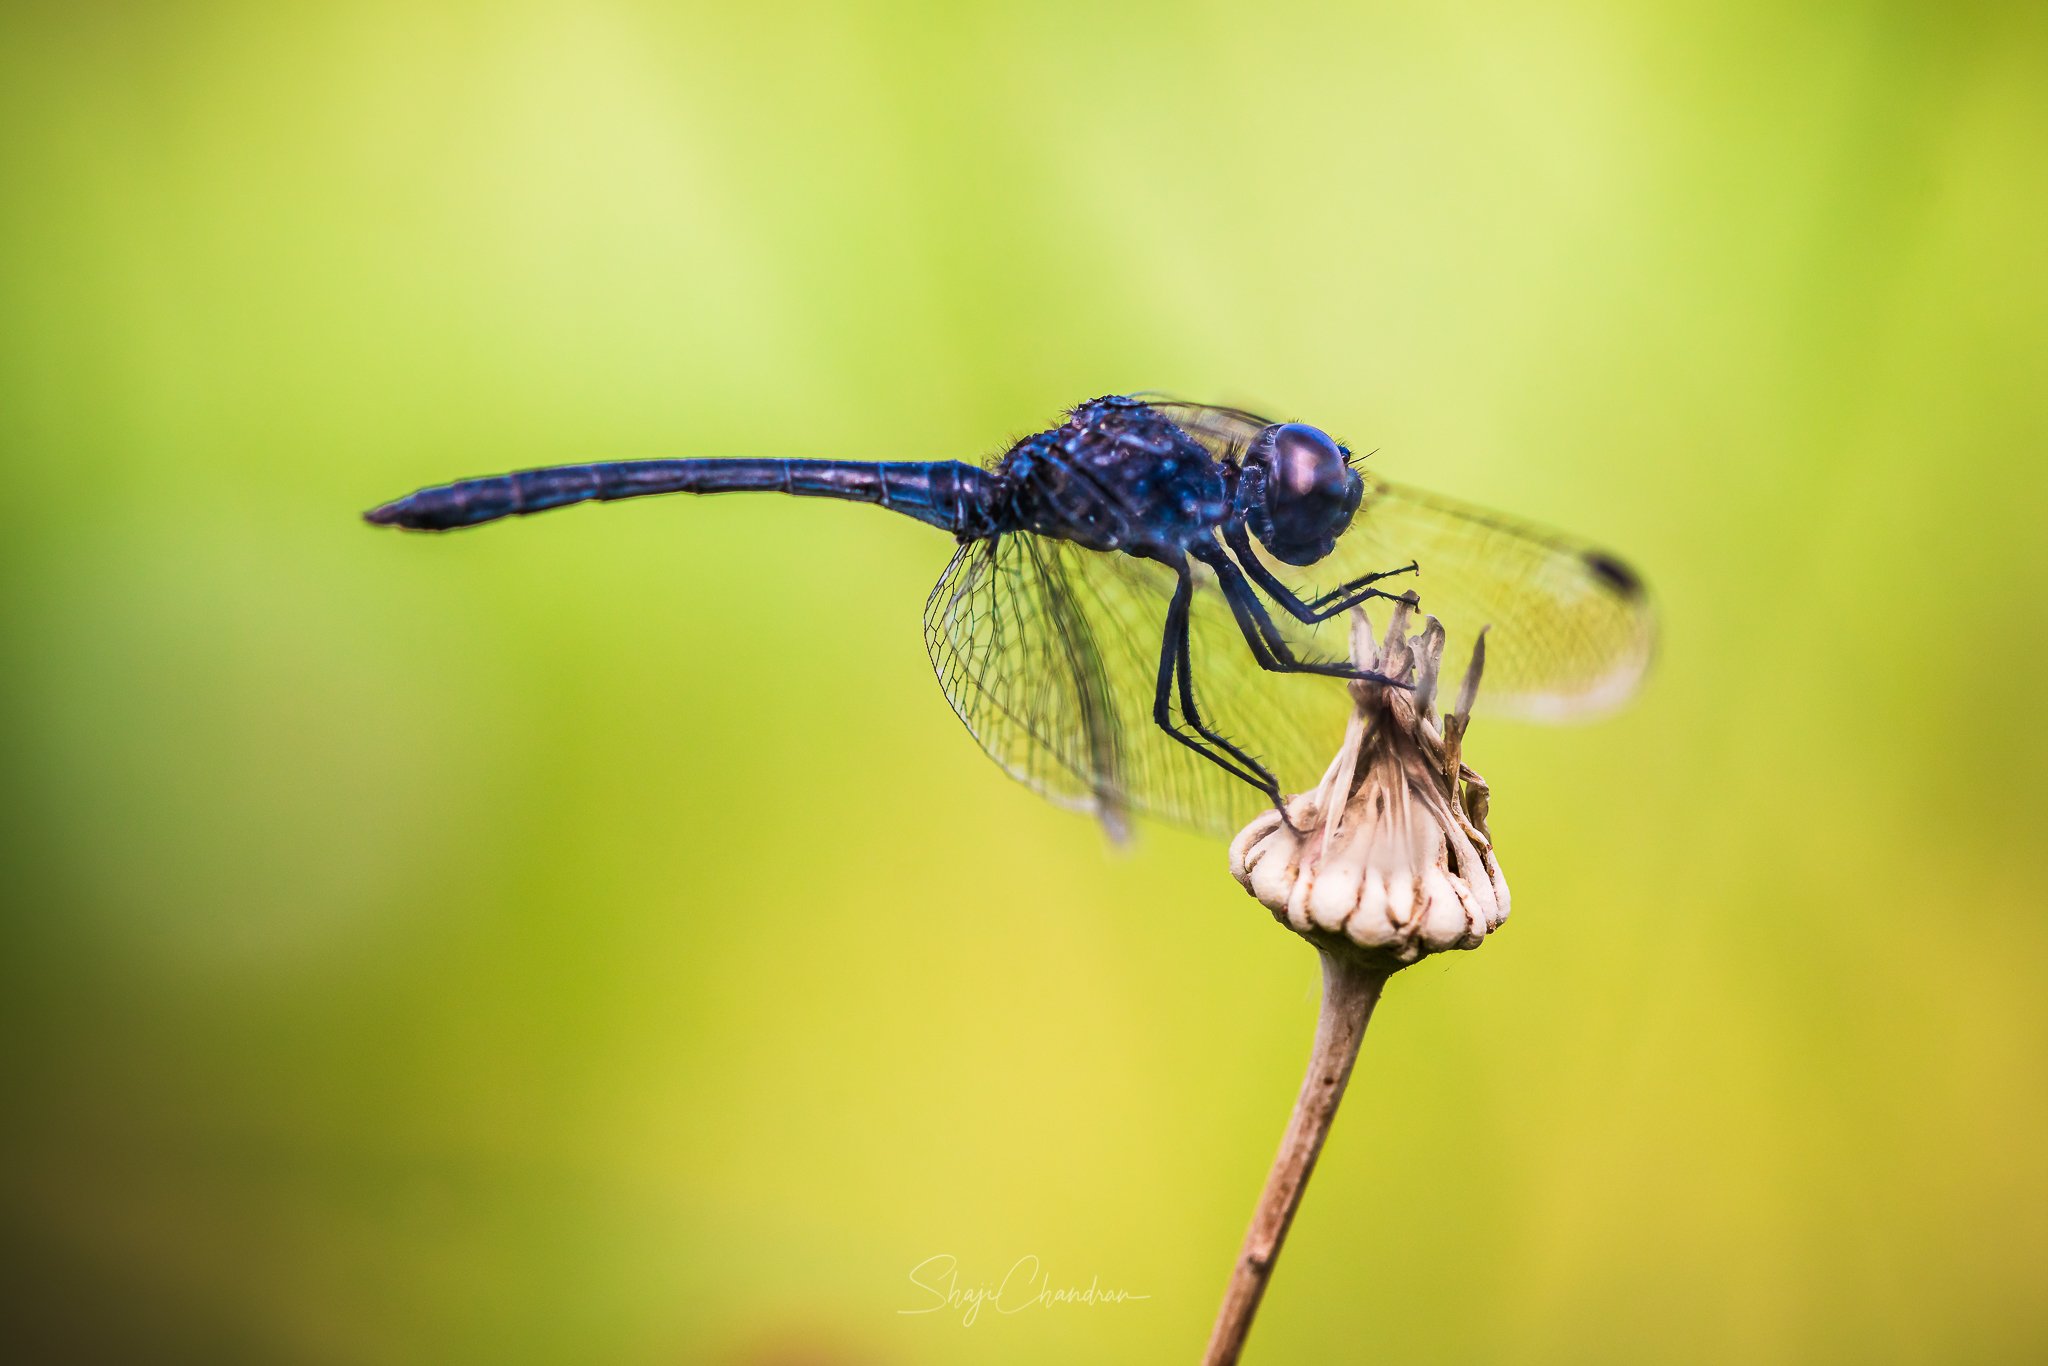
(1145, 609)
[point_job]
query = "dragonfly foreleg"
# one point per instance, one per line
(1323, 606)
(1174, 664)
(1268, 646)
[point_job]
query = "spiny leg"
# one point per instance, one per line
(1172, 652)
(1192, 714)
(1174, 658)
(1321, 607)
(1268, 646)
(1346, 596)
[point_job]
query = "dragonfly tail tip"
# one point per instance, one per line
(397, 514)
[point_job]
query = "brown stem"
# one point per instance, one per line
(1351, 988)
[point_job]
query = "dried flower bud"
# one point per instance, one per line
(1390, 853)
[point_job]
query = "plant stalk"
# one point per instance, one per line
(1351, 987)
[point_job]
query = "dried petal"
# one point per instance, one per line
(1391, 853)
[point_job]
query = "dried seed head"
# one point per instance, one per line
(1389, 855)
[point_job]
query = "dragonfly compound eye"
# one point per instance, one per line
(1311, 491)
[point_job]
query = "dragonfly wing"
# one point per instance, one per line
(1226, 432)
(1049, 653)
(1025, 674)
(1569, 628)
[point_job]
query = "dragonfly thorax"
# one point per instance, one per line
(1116, 476)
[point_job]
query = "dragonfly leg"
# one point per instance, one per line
(1174, 664)
(1346, 596)
(1268, 646)
(1322, 607)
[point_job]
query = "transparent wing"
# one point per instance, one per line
(1050, 655)
(1225, 431)
(1570, 628)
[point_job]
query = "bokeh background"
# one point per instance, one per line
(594, 940)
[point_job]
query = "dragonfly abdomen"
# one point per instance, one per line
(944, 493)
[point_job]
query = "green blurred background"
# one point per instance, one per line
(543, 945)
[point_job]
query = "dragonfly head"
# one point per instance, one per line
(1303, 492)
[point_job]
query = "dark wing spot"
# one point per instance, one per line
(1614, 574)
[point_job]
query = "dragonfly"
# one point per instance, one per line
(1146, 609)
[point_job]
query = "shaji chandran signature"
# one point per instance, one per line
(1026, 1285)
